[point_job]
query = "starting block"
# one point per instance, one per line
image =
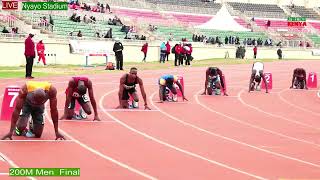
(268, 77)
(130, 103)
(312, 81)
(180, 80)
(9, 102)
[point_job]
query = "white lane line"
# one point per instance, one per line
(123, 165)
(35, 140)
(295, 106)
(277, 116)
(172, 146)
(233, 140)
(252, 125)
(12, 164)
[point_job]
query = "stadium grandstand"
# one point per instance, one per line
(216, 24)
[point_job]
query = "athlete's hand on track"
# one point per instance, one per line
(146, 107)
(184, 98)
(60, 136)
(204, 93)
(96, 118)
(225, 94)
(62, 117)
(7, 136)
(291, 87)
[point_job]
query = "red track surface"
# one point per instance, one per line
(242, 136)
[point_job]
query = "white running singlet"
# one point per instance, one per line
(258, 66)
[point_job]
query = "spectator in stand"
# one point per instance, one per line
(144, 49)
(102, 9)
(268, 23)
(40, 50)
(79, 34)
(30, 54)
(13, 31)
(51, 23)
(168, 50)
(108, 8)
(226, 40)
(255, 51)
(85, 19)
(308, 44)
(5, 30)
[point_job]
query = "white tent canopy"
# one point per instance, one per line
(222, 21)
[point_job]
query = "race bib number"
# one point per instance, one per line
(85, 98)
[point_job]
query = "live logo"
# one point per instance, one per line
(9, 5)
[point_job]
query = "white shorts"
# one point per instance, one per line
(258, 66)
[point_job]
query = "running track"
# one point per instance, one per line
(242, 136)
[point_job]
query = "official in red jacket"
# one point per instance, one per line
(144, 49)
(40, 50)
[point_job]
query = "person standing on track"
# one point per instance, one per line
(77, 90)
(31, 101)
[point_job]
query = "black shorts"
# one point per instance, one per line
(126, 92)
(299, 84)
(81, 100)
(36, 112)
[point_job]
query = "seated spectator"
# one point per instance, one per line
(102, 9)
(97, 34)
(110, 22)
(85, 19)
(301, 44)
(93, 19)
(5, 30)
(108, 8)
(308, 44)
(79, 34)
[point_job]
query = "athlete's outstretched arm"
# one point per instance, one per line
(293, 77)
(250, 81)
(68, 99)
(206, 82)
(93, 101)
(144, 96)
(265, 81)
(305, 79)
(222, 83)
(121, 88)
(182, 91)
(54, 111)
(15, 115)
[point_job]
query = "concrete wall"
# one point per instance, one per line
(12, 53)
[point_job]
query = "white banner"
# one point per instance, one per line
(90, 47)
(316, 52)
